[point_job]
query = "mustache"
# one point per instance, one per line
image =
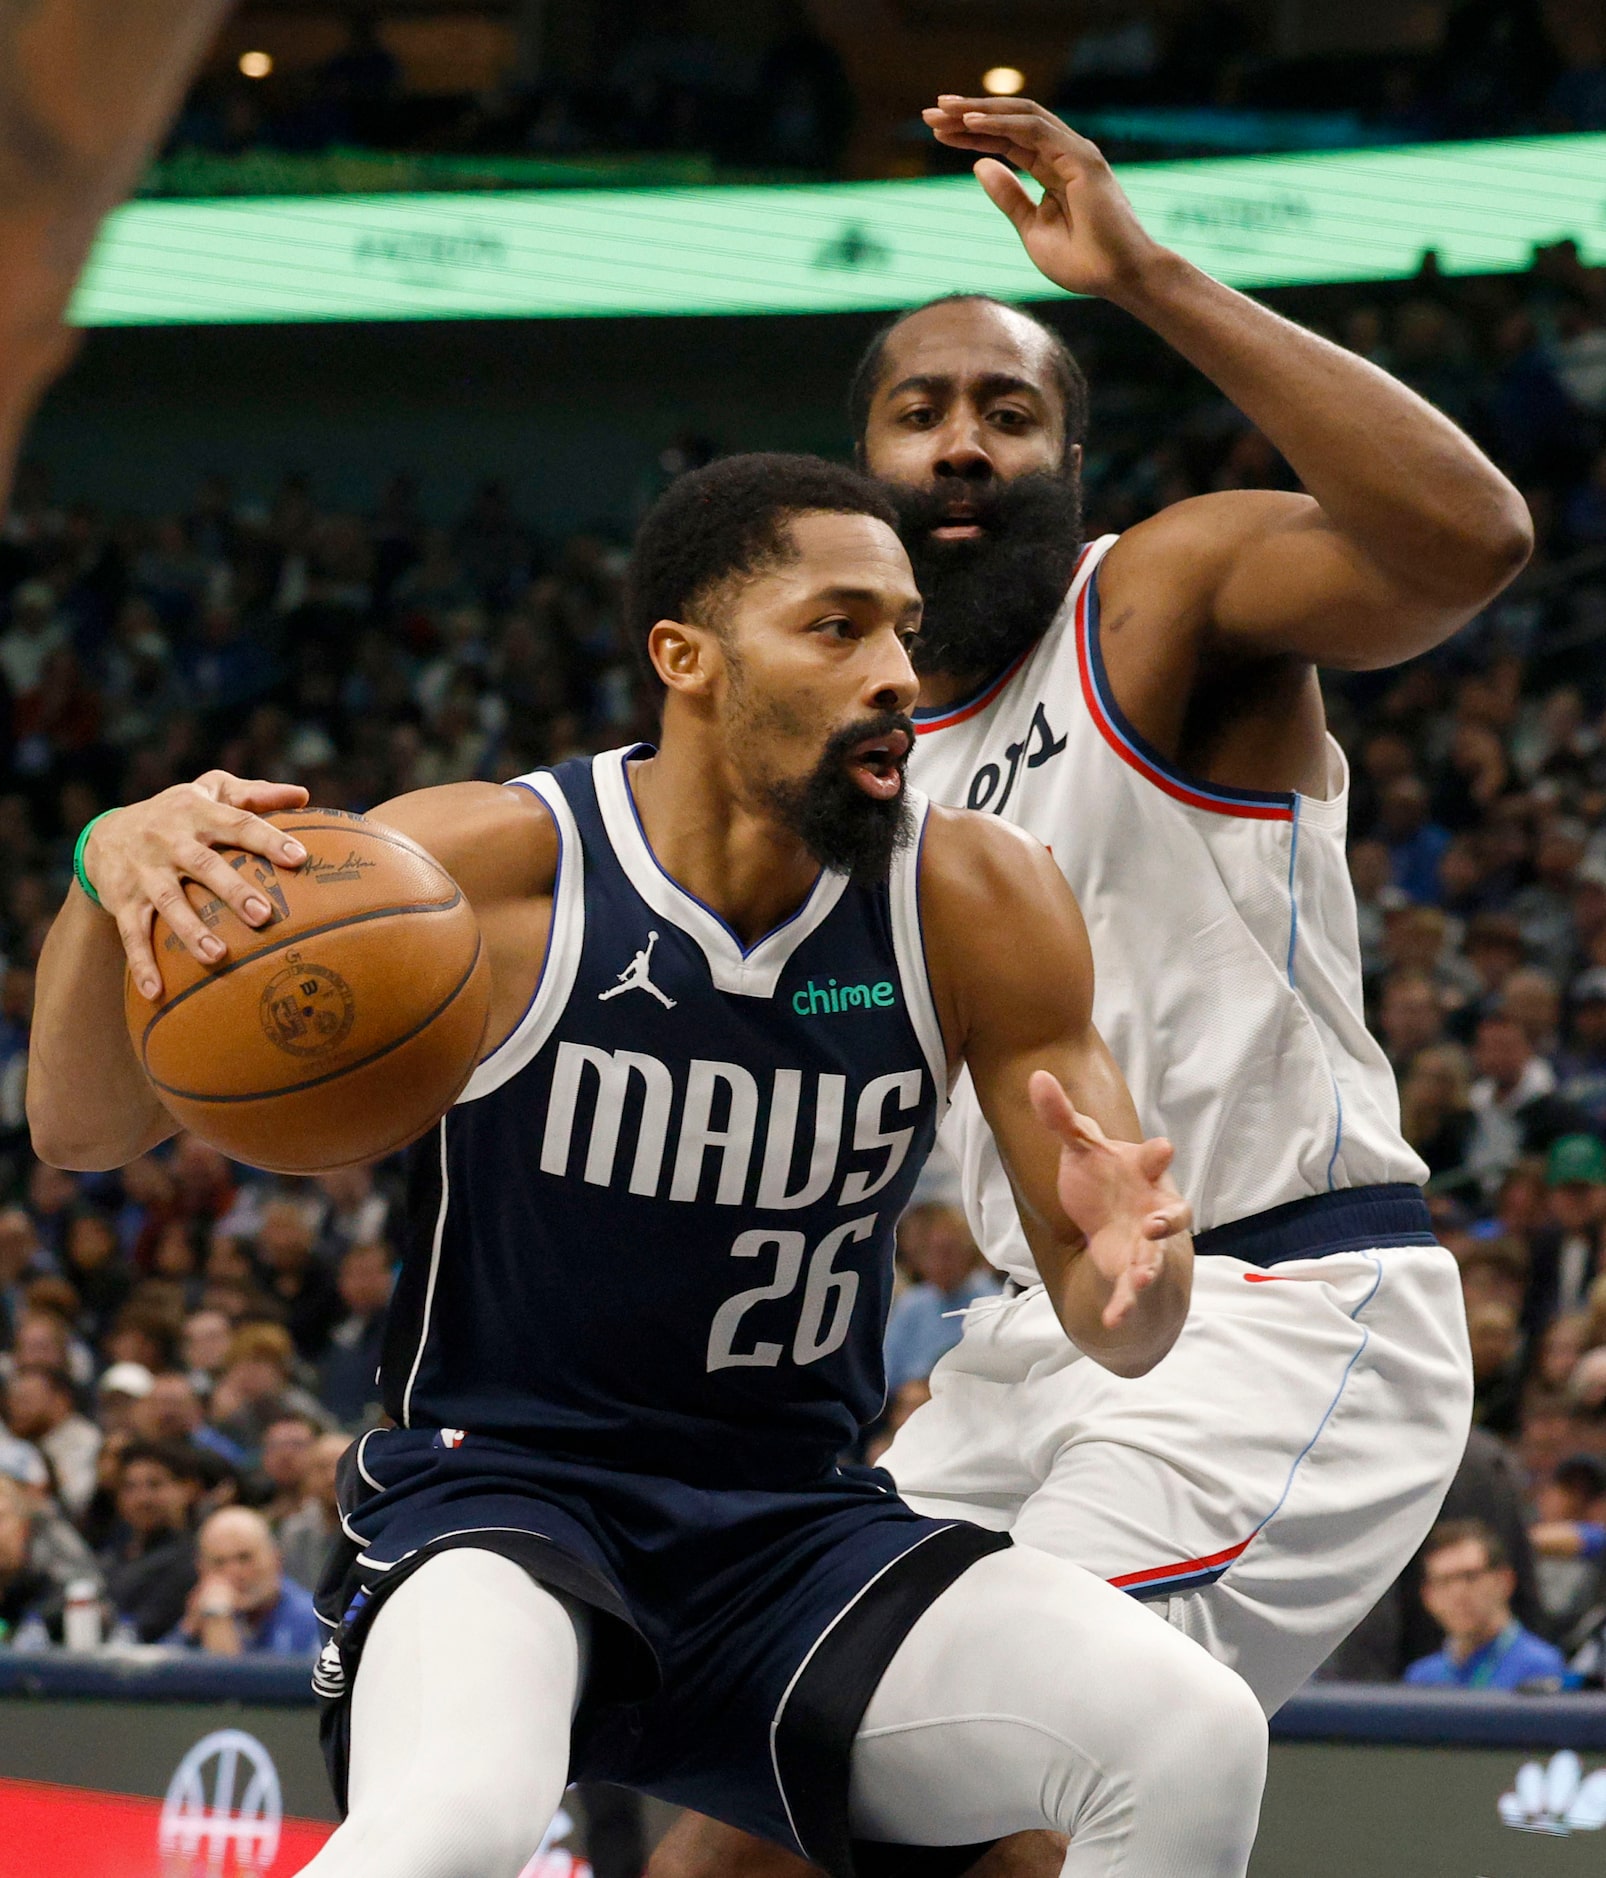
(1023, 505)
(841, 744)
(990, 596)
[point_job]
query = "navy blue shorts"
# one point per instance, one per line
(722, 1616)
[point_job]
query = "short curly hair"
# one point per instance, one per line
(729, 520)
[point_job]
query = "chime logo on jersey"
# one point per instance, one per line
(711, 1111)
(815, 998)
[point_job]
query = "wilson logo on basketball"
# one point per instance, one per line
(307, 1009)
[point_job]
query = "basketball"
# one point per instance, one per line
(341, 1029)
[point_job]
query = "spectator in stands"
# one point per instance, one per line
(1415, 842)
(357, 1207)
(243, 1604)
(41, 1408)
(92, 1259)
(19, 1259)
(255, 1389)
(149, 1559)
(1436, 1111)
(1568, 1253)
(287, 1444)
(950, 1274)
(1494, 1331)
(1467, 1586)
(1533, 998)
(118, 1394)
(29, 1600)
(1582, 1066)
(305, 1537)
(1512, 1079)
(1569, 1541)
(298, 1280)
(1410, 1017)
(173, 1412)
(207, 1336)
(348, 1375)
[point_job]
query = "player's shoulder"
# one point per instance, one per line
(976, 862)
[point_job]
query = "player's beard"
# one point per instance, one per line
(846, 830)
(989, 598)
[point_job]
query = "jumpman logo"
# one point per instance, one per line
(634, 977)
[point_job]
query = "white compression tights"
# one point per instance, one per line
(1029, 1695)
(460, 1724)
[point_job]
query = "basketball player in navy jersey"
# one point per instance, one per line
(1148, 707)
(640, 1312)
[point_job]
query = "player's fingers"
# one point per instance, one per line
(1121, 1301)
(962, 139)
(1004, 192)
(1055, 1109)
(263, 798)
(1168, 1221)
(259, 837)
(133, 928)
(209, 868)
(165, 893)
(1155, 1156)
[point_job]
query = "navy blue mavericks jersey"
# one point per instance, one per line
(655, 1233)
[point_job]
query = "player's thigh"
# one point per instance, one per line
(461, 1711)
(1031, 1696)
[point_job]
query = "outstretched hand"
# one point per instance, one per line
(1115, 1193)
(1083, 233)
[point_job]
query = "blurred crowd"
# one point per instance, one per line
(187, 1345)
(666, 78)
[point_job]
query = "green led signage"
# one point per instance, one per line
(1253, 221)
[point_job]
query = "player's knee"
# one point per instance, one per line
(486, 1836)
(1208, 1745)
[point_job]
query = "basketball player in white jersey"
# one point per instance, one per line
(1148, 707)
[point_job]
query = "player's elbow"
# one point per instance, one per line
(59, 1138)
(1505, 545)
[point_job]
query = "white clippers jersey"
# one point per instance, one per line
(1224, 940)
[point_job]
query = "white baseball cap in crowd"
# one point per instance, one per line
(132, 1379)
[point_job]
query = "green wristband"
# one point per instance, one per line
(78, 854)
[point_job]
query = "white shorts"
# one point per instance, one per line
(1261, 1487)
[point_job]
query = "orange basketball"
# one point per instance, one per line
(340, 1030)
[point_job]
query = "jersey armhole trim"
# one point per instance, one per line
(1260, 805)
(909, 949)
(561, 962)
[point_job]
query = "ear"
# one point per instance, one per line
(1073, 458)
(683, 655)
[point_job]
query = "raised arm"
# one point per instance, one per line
(1407, 528)
(86, 89)
(1013, 977)
(89, 1103)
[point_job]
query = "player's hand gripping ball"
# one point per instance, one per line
(340, 1030)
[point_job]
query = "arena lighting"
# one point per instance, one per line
(256, 64)
(1003, 81)
(1253, 221)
